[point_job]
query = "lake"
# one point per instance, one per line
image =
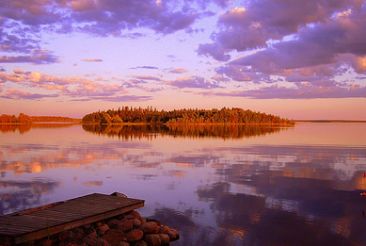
(218, 186)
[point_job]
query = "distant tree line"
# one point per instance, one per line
(149, 115)
(12, 119)
(26, 119)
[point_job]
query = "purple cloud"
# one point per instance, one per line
(18, 94)
(112, 17)
(147, 77)
(22, 22)
(178, 70)
(302, 91)
(321, 44)
(37, 57)
(92, 60)
(145, 67)
(194, 82)
(123, 98)
(251, 26)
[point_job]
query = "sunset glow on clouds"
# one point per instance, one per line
(300, 60)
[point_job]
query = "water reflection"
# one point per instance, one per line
(196, 131)
(19, 195)
(215, 192)
(23, 128)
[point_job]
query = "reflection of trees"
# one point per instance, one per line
(22, 128)
(12, 128)
(19, 195)
(198, 131)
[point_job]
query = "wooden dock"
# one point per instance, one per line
(36, 223)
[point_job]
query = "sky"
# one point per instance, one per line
(296, 59)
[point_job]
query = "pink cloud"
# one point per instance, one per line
(19, 94)
(74, 87)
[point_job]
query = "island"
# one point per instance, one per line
(149, 115)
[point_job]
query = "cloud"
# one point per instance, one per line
(193, 82)
(147, 77)
(123, 98)
(145, 67)
(92, 60)
(22, 23)
(324, 43)
(102, 17)
(17, 38)
(178, 70)
(76, 88)
(254, 24)
(318, 48)
(302, 91)
(218, 52)
(18, 94)
(37, 57)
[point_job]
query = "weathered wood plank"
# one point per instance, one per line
(36, 223)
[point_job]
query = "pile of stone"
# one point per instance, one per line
(124, 230)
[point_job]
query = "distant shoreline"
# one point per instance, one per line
(331, 121)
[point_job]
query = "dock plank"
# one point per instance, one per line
(36, 223)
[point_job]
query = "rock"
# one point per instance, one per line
(150, 227)
(164, 229)
(153, 220)
(75, 244)
(123, 243)
(153, 239)
(136, 214)
(135, 235)
(88, 227)
(114, 237)
(101, 242)
(129, 217)
(103, 228)
(91, 238)
(164, 238)
(136, 222)
(143, 220)
(46, 242)
(78, 234)
(173, 234)
(141, 243)
(125, 225)
(119, 194)
(66, 235)
(113, 223)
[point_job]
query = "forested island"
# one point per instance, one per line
(149, 115)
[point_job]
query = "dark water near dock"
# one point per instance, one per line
(219, 186)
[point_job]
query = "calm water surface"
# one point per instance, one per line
(296, 186)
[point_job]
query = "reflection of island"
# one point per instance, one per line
(195, 131)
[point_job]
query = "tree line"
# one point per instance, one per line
(26, 119)
(149, 115)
